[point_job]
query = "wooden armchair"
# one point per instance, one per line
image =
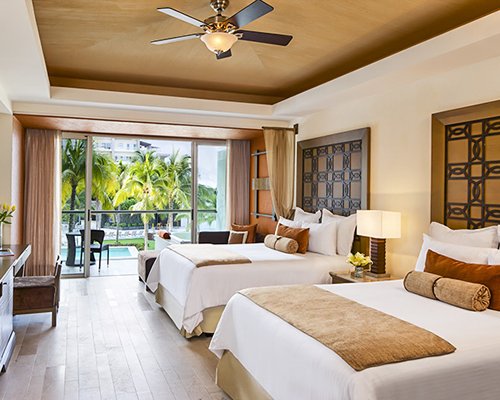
(38, 294)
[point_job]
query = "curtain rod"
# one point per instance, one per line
(295, 128)
(277, 127)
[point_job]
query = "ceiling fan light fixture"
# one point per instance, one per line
(219, 42)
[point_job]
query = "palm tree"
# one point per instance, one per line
(178, 183)
(105, 182)
(73, 174)
(207, 200)
(145, 181)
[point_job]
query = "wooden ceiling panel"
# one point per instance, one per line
(99, 44)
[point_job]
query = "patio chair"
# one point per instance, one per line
(96, 244)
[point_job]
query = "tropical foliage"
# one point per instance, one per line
(147, 183)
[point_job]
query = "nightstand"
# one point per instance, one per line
(348, 278)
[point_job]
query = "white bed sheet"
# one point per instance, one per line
(199, 288)
(291, 365)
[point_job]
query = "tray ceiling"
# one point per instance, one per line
(105, 44)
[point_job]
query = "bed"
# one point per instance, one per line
(263, 357)
(194, 298)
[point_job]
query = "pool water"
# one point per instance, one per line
(114, 252)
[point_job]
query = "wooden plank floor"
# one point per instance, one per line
(112, 342)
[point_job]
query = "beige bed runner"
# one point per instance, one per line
(361, 336)
(203, 255)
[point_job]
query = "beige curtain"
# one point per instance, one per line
(280, 147)
(239, 182)
(42, 199)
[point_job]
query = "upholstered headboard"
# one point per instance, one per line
(332, 172)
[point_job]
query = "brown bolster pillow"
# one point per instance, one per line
(471, 296)
(421, 283)
(487, 275)
(280, 243)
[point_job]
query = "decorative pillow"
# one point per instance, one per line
(281, 243)
(476, 255)
(301, 236)
(303, 216)
(494, 258)
(487, 275)
(468, 295)
(236, 237)
(421, 283)
(322, 238)
(485, 237)
(471, 296)
(289, 223)
(251, 229)
(346, 226)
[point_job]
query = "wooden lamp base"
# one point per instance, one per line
(377, 255)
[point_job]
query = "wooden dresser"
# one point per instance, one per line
(9, 266)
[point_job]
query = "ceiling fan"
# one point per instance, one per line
(222, 32)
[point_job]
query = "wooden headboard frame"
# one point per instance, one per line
(345, 186)
(333, 173)
(466, 166)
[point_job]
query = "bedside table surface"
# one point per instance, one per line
(345, 278)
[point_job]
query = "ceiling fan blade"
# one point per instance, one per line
(250, 13)
(181, 16)
(226, 54)
(177, 39)
(263, 37)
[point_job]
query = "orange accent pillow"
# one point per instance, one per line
(251, 229)
(487, 275)
(300, 235)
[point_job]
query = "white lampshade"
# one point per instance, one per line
(219, 42)
(379, 224)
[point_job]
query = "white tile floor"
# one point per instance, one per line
(116, 267)
(112, 342)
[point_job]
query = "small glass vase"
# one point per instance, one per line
(359, 272)
(1, 235)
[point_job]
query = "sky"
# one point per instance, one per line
(207, 158)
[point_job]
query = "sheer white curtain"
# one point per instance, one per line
(42, 199)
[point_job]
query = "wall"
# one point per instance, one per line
(6, 165)
(400, 121)
(17, 188)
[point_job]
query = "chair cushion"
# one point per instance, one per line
(33, 281)
(33, 293)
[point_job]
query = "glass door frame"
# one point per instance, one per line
(89, 137)
(88, 200)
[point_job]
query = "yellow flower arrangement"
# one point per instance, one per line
(358, 259)
(6, 212)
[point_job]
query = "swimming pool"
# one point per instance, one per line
(116, 252)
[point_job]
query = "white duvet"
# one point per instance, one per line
(199, 288)
(290, 365)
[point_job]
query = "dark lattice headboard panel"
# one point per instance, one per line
(332, 172)
(472, 174)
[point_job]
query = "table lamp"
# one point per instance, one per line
(378, 226)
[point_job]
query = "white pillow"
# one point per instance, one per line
(303, 216)
(346, 226)
(322, 238)
(467, 254)
(287, 222)
(485, 237)
(494, 258)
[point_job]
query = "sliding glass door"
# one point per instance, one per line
(210, 187)
(76, 157)
(122, 193)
